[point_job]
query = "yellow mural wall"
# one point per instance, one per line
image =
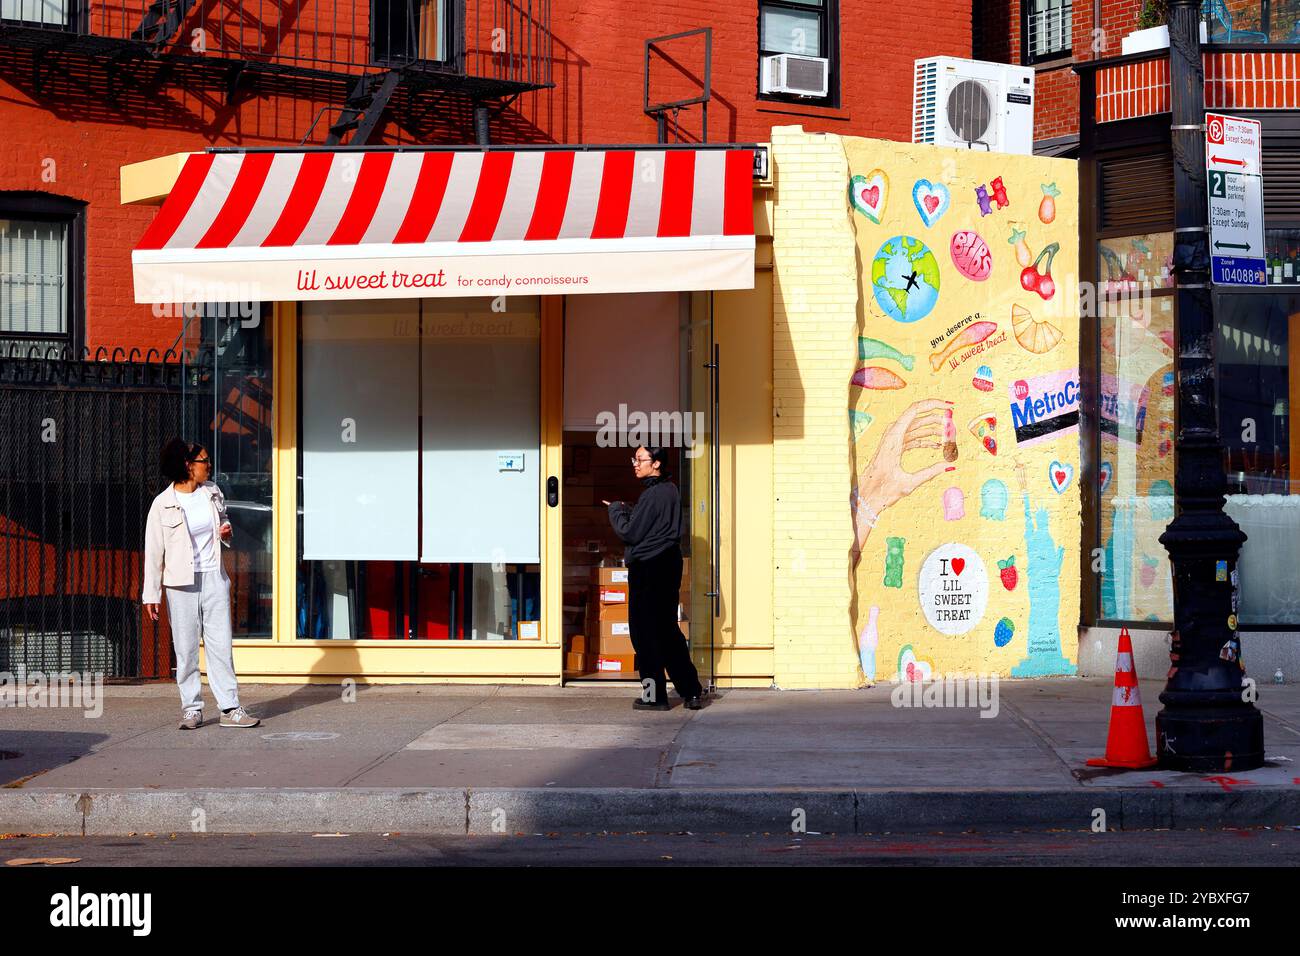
(958, 404)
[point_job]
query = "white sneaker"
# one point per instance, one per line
(238, 718)
(192, 719)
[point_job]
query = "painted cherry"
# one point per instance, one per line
(1041, 282)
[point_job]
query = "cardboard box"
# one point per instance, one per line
(624, 663)
(613, 594)
(612, 612)
(610, 575)
(616, 645)
(575, 662)
(610, 629)
(582, 644)
(530, 631)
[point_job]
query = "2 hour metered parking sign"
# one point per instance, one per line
(1236, 197)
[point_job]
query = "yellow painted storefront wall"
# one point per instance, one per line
(870, 509)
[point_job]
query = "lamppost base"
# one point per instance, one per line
(1208, 739)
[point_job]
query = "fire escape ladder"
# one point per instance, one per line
(364, 106)
(162, 21)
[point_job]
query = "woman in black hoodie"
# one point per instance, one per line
(652, 531)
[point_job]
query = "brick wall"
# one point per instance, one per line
(814, 319)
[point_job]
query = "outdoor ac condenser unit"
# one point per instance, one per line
(973, 104)
(800, 75)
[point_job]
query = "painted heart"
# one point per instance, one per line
(911, 668)
(1060, 475)
(868, 194)
(958, 565)
(931, 200)
(1104, 474)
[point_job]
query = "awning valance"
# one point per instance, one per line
(281, 225)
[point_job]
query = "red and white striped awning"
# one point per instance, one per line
(266, 225)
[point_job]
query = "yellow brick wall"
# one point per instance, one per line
(814, 336)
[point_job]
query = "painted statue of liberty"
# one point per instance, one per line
(1043, 578)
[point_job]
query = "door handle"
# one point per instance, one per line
(552, 491)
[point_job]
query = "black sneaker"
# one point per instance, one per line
(640, 704)
(694, 703)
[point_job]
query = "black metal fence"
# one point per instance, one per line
(79, 437)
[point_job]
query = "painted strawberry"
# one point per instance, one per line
(1148, 573)
(1047, 208)
(1007, 570)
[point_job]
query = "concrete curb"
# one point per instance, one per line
(462, 811)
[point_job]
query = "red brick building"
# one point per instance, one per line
(87, 87)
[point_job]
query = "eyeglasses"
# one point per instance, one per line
(201, 461)
(642, 461)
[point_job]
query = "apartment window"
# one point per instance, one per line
(804, 28)
(406, 30)
(46, 13)
(41, 264)
(1045, 29)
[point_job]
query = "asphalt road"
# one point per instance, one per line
(1191, 848)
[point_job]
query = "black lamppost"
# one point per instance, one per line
(1208, 722)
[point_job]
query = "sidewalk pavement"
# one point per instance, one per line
(491, 759)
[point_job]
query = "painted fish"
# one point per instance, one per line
(971, 335)
(874, 349)
(872, 376)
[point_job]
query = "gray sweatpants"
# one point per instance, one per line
(203, 608)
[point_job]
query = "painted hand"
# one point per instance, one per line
(885, 482)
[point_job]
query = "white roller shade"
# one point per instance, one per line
(360, 432)
(480, 398)
(620, 349)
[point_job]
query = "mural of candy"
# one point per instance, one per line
(1007, 571)
(999, 192)
(973, 334)
(985, 429)
(949, 437)
(1147, 574)
(1031, 280)
(875, 377)
(1023, 255)
(1160, 499)
(867, 642)
(1104, 473)
(1003, 632)
(894, 562)
(859, 421)
(910, 667)
(869, 349)
(1037, 336)
(993, 500)
(905, 279)
(1060, 475)
(971, 255)
(1047, 208)
(931, 200)
(868, 193)
(983, 379)
(954, 504)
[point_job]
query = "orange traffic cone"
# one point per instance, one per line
(1126, 745)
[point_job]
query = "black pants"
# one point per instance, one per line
(653, 586)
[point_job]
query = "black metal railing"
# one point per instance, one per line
(507, 41)
(79, 440)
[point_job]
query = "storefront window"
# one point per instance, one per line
(1127, 263)
(229, 391)
(1136, 464)
(1258, 342)
(1282, 256)
(420, 470)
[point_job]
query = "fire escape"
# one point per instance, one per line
(408, 59)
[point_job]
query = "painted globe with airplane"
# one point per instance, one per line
(905, 279)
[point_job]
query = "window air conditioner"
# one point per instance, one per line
(973, 105)
(800, 75)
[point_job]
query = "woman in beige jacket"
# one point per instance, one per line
(181, 554)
